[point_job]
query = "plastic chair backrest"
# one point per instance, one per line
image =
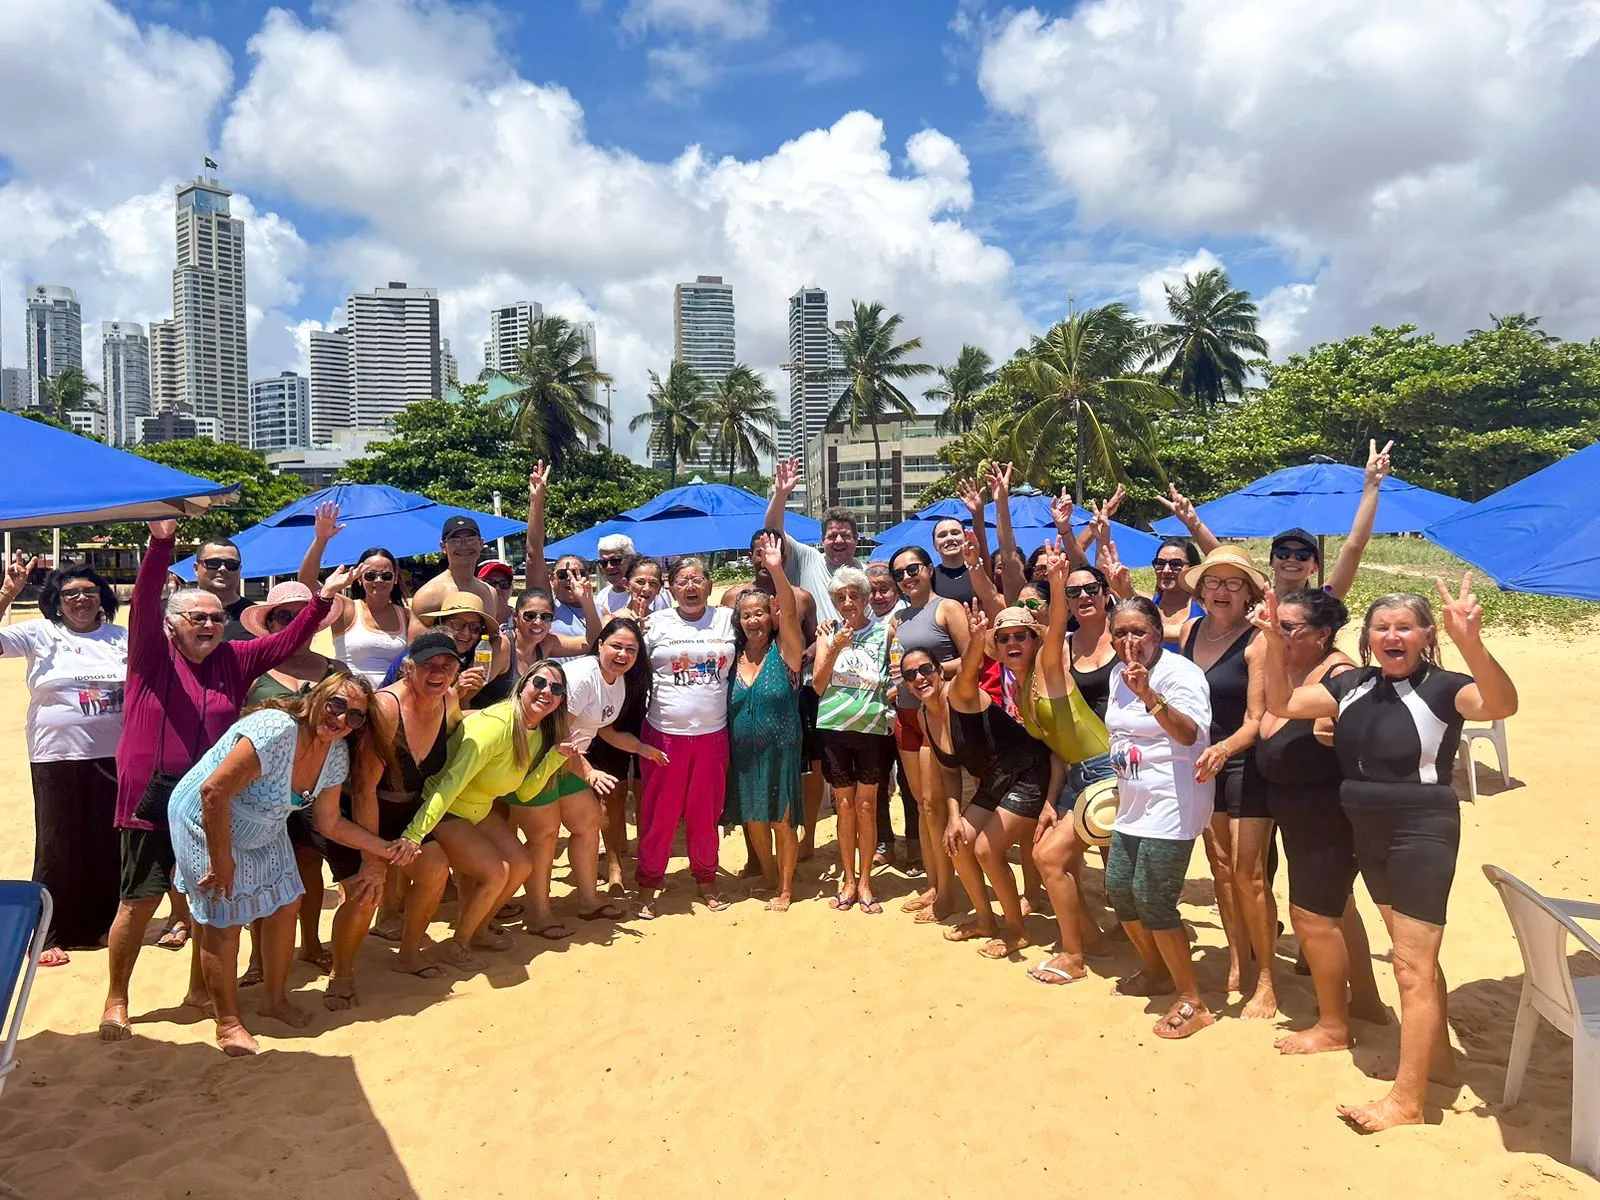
(1542, 933)
(20, 905)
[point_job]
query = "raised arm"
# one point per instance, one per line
(1011, 577)
(325, 527)
(1278, 694)
(1182, 507)
(971, 495)
(1343, 576)
(965, 693)
(1053, 648)
(147, 641)
(1491, 696)
(785, 475)
(791, 640)
(18, 570)
(535, 569)
(263, 654)
(982, 585)
(1061, 513)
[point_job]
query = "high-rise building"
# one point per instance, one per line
(280, 412)
(808, 354)
(208, 312)
(329, 384)
(13, 388)
(90, 422)
(54, 333)
(395, 355)
(171, 425)
(166, 367)
(508, 333)
(124, 379)
(449, 369)
(702, 327)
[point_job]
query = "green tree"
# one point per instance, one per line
(961, 389)
(70, 391)
(1088, 395)
(867, 381)
(674, 416)
(1520, 322)
(555, 410)
(992, 439)
(1201, 351)
(261, 491)
(737, 418)
(593, 487)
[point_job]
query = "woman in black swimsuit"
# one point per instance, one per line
(1397, 727)
(1236, 841)
(1297, 761)
(411, 722)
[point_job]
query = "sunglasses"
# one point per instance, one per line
(909, 571)
(205, 618)
(1284, 554)
(81, 593)
(554, 686)
(1084, 589)
(534, 618)
(339, 709)
(462, 624)
(566, 573)
(925, 671)
(500, 583)
(1013, 637)
(220, 564)
(279, 616)
(379, 577)
(1212, 584)
(610, 561)
(1169, 564)
(1290, 628)
(1033, 603)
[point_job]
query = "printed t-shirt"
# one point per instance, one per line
(857, 697)
(75, 687)
(689, 663)
(1157, 793)
(592, 703)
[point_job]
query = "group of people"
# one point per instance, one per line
(1035, 706)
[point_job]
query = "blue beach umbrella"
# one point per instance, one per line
(697, 518)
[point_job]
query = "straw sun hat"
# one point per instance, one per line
(1225, 556)
(1095, 811)
(458, 604)
(1010, 618)
(289, 594)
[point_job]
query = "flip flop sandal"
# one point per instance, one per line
(1058, 976)
(547, 931)
(1184, 1021)
(997, 949)
(174, 937)
(606, 912)
(871, 907)
(965, 933)
(918, 903)
(509, 911)
(841, 904)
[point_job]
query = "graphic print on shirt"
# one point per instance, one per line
(705, 671)
(1125, 758)
(99, 698)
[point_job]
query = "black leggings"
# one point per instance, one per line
(1407, 854)
(908, 806)
(1319, 844)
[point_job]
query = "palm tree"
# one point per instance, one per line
(992, 439)
(960, 386)
(69, 391)
(1201, 350)
(1519, 323)
(1083, 376)
(556, 412)
(737, 417)
(673, 415)
(871, 362)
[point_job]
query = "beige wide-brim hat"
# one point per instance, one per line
(1095, 812)
(458, 604)
(289, 594)
(1224, 556)
(1010, 618)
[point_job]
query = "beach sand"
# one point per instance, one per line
(812, 1053)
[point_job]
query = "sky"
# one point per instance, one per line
(977, 168)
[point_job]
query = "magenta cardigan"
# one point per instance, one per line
(200, 700)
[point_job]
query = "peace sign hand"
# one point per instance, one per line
(18, 570)
(969, 551)
(977, 620)
(1264, 617)
(1061, 513)
(538, 482)
(1179, 505)
(1377, 461)
(1109, 508)
(1461, 615)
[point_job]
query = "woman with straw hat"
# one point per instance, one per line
(465, 617)
(1229, 586)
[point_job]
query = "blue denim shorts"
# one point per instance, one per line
(1080, 776)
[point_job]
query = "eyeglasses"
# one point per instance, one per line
(925, 671)
(1169, 564)
(1290, 628)
(463, 624)
(501, 583)
(219, 564)
(566, 573)
(533, 618)
(609, 560)
(339, 709)
(279, 616)
(1084, 589)
(205, 618)
(1285, 553)
(1012, 637)
(1212, 583)
(81, 593)
(378, 577)
(909, 571)
(690, 581)
(554, 686)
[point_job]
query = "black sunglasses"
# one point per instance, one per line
(1084, 589)
(909, 571)
(279, 616)
(220, 564)
(539, 683)
(1169, 564)
(501, 582)
(379, 577)
(925, 671)
(353, 718)
(609, 560)
(1285, 553)
(529, 616)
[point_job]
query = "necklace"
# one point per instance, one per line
(1207, 636)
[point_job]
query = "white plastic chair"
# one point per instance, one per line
(1495, 734)
(25, 912)
(1542, 927)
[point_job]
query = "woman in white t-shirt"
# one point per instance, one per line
(1158, 716)
(691, 650)
(597, 686)
(77, 664)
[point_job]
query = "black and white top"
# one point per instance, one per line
(1397, 738)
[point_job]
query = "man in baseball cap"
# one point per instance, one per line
(462, 544)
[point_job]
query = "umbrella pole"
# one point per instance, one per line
(499, 543)
(55, 548)
(1322, 557)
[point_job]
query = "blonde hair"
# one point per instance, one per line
(552, 730)
(1418, 607)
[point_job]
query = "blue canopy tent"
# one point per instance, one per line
(1320, 498)
(696, 518)
(56, 478)
(1031, 523)
(372, 515)
(1541, 534)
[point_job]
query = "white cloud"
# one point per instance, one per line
(731, 19)
(1424, 162)
(1152, 287)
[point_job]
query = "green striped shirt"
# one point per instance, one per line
(857, 699)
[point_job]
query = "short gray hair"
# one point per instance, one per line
(616, 543)
(850, 579)
(183, 599)
(879, 570)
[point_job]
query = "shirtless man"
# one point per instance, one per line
(462, 543)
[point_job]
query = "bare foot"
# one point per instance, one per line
(1141, 983)
(55, 956)
(968, 930)
(114, 1025)
(1319, 1039)
(780, 902)
(319, 957)
(920, 901)
(200, 1000)
(1379, 1115)
(291, 1015)
(494, 939)
(458, 956)
(339, 995)
(1262, 1005)
(236, 1041)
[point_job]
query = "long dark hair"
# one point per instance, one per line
(636, 680)
(358, 592)
(50, 594)
(1190, 550)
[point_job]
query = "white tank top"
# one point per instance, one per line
(365, 650)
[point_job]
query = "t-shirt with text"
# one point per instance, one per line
(75, 688)
(689, 665)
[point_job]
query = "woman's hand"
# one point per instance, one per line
(470, 682)
(977, 620)
(957, 834)
(1055, 562)
(1179, 506)
(969, 494)
(785, 477)
(1118, 578)
(1264, 616)
(1461, 615)
(999, 481)
(1047, 822)
(337, 581)
(601, 783)
(1377, 462)
(538, 483)
(1211, 761)
(368, 882)
(18, 571)
(1136, 675)
(402, 853)
(654, 753)
(1061, 513)
(837, 634)
(164, 531)
(325, 524)
(769, 553)
(970, 558)
(218, 881)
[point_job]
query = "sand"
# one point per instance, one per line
(812, 1053)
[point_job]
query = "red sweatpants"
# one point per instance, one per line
(690, 788)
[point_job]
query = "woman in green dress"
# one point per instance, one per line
(764, 724)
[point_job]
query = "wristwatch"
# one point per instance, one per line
(1157, 706)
